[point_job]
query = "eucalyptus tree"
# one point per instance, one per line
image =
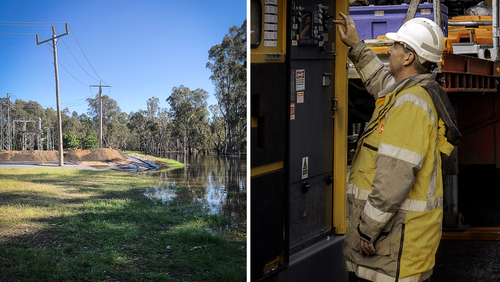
(87, 126)
(110, 113)
(228, 64)
(154, 129)
(217, 129)
(137, 125)
(70, 123)
(185, 104)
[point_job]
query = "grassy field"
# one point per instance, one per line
(74, 225)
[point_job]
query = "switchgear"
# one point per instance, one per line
(293, 111)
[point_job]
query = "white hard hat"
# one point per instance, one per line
(423, 36)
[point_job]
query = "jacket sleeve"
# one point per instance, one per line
(404, 142)
(371, 70)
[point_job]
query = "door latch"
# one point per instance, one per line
(335, 106)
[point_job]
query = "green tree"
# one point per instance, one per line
(227, 62)
(184, 105)
(71, 123)
(138, 126)
(90, 142)
(87, 127)
(110, 113)
(70, 141)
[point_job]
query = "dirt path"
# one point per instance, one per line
(92, 159)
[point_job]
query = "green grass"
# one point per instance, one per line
(163, 163)
(72, 225)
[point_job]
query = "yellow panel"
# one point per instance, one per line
(340, 131)
(263, 54)
(266, 168)
(277, 262)
(254, 122)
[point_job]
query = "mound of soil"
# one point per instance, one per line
(71, 155)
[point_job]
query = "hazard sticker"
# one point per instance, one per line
(300, 80)
(300, 97)
(292, 111)
(305, 167)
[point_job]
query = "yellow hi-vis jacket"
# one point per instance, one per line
(395, 191)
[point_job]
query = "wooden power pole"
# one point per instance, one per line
(100, 110)
(54, 41)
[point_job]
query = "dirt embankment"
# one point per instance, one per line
(90, 155)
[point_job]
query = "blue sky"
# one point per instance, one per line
(141, 48)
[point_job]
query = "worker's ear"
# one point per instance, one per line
(409, 58)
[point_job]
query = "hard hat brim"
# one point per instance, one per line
(392, 36)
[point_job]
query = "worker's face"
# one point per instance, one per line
(397, 57)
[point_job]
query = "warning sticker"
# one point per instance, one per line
(292, 111)
(300, 80)
(305, 167)
(300, 97)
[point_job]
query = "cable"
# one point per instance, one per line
(33, 22)
(74, 103)
(70, 73)
(23, 24)
(72, 32)
(59, 62)
(18, 33)
(75, 58)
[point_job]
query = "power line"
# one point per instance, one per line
(7, 23)
(75, 103)
(2, 24)
(76, 59)
(32, 22)
(59, 62)
(17, 33)
(85, 55)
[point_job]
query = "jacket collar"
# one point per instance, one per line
(407, 83)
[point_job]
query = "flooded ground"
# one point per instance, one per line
(218, 184)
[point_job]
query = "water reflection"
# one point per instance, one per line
(216, 183)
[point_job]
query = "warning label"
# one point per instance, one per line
(292, 111)
(300, 80)
(305, 167)
(300, 97)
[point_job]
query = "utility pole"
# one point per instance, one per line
(54, 41)
(100, 110)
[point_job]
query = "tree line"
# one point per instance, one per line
(188, 125)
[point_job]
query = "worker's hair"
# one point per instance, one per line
(426, 67)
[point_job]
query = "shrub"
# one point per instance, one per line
(70, 141)
(90, 142)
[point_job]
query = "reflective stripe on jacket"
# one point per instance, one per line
(395, 190)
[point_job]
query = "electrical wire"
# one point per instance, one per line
(14, 33)
(74, 103)
(1, 24)
(59, 62)
(36, 23)
(76, 59)
(72, 32)
(70, 73)
(6, 23)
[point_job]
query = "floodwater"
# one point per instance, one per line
(218, 184)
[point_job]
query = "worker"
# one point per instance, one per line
(395, 190)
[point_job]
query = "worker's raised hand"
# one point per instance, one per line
(350, 36)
